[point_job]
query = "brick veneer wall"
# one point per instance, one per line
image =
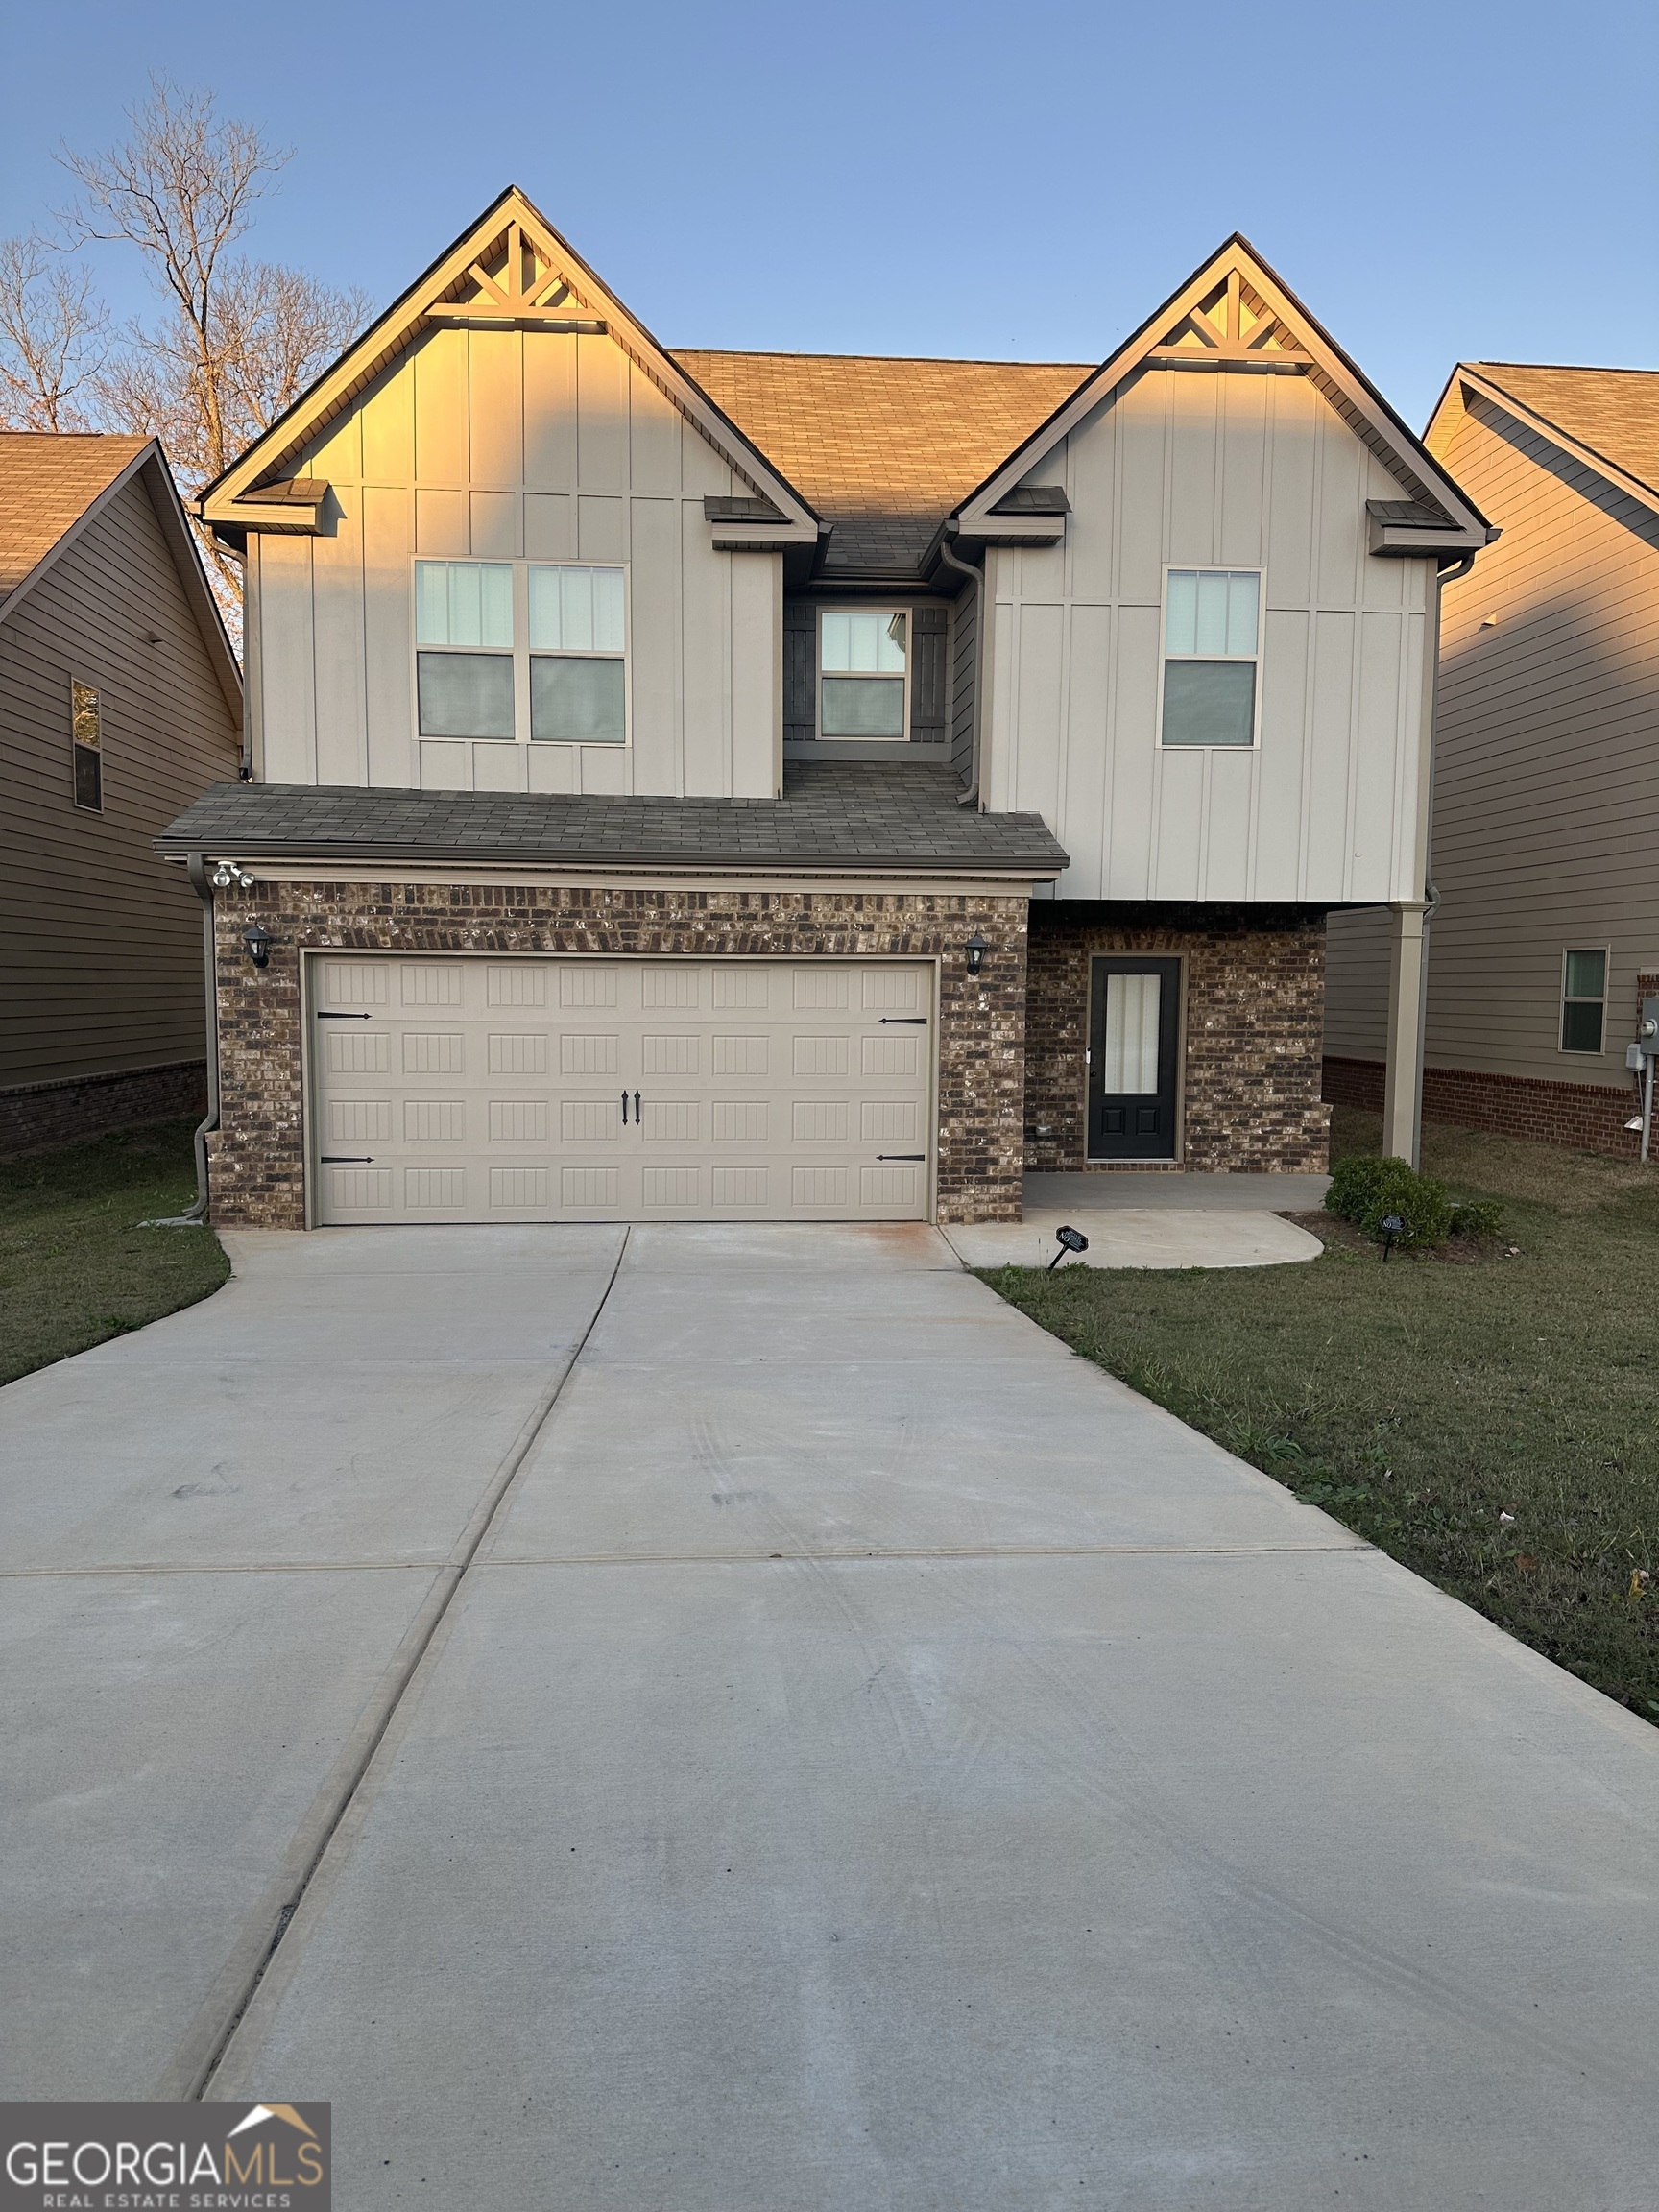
(36, 1115)
(258, 1155)
(1588, 1116)
(1255, 999)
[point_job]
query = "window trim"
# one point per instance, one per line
(521, 653)
(77, 747)
(860, 606)
(1578, 1051)
(1165, 655)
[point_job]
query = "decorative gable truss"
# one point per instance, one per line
(1233, 315)
(511, 270)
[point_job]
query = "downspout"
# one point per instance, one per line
(195, 1216)
(1430, 890)
(976, 576)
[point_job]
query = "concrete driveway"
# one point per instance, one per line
(824, 1747)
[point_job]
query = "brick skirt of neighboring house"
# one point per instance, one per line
(1588, 1118)
(257, 1155)
(1254, 1010)
(34, 1117)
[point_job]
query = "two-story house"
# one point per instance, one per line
(1546, 940)
(120, 700)
(747, 787)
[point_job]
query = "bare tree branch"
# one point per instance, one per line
(54, 339)
(180, 189)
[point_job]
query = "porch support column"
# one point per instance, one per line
(1402, 1093)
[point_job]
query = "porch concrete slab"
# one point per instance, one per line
(1182, 1192)
(1126, 1236)
(1265, 1882)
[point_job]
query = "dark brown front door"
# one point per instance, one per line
(1133, 1015)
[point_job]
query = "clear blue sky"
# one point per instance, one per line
(1020, 181)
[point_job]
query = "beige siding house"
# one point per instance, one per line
(1547, 771)
(120, 700)
(693, 785)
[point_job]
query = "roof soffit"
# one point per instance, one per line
(1233, 314)
(510, 269)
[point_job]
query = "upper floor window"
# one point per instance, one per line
(1583, 999)
(1211, 624)
(86, 745)
(577, 688)
(464, 612)
(863, 663)
(499, 641)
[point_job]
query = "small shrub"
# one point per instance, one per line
(1366, 1190)
(1478, 1217)
(1419, 1204)
(1358, 1182)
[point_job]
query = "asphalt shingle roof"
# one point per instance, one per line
(1613, 411)
(884, 449)
(833, 817)
(48, 479)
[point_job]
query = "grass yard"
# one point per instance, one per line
(1495, 1426)
(75, 1267)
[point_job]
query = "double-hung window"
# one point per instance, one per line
(498, 640)
(1212, 630)
(864, 682)
(463, 639)
(1583, 999)
(577, 687)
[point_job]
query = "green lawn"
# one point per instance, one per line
(75, 1267)
(1421, 1402)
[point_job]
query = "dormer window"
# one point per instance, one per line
(863, 682)
(1211, 625)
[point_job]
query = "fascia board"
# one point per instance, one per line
(402, 322)
(1393, 440)
(150, 462)
(1644, 494)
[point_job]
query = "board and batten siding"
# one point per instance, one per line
(1546, 768)
(100, 940)
(1181, 470)
(497, 445)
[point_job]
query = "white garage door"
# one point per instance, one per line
(543, 1090)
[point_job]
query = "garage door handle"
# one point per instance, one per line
(900, 1155)
(322, 1015)
(636, 1105)
(347, 1159)
(624, 1109)
(903, 1022)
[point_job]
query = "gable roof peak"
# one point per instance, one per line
(512, 269)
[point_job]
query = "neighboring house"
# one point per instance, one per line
(120, 700)
(1547, 771)
(650, 821)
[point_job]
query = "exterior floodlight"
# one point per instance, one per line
(976, 951)
(1070, 1240)
(257, 940)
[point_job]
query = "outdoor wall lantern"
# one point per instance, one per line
(976, 951)
(257, 940)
